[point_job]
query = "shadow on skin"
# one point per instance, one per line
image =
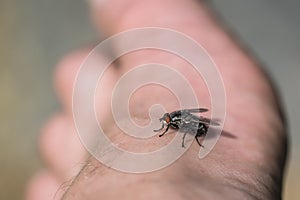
(214, 133)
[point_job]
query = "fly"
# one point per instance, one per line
(186, 122)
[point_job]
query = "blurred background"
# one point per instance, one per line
(35, 34)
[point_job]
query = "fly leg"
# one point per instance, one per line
(202, 130)
(164, 131)
(196, 137)
(183, 139)
(160, 128)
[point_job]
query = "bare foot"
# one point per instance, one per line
(248, 167)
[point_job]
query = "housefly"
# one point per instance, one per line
(186, 122)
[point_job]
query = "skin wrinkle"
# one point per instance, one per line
(232, 176)
(222, 185)
(264, 180)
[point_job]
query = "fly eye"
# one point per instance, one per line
(168, 119)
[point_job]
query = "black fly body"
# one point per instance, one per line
(186, 122)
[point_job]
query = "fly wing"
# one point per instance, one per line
(187, 111)
(208, 121)
(195, 120)
(195, 110)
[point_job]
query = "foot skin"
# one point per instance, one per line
(248, 167)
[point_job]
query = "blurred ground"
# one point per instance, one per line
(36, 33)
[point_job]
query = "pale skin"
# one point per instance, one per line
(248, 167)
